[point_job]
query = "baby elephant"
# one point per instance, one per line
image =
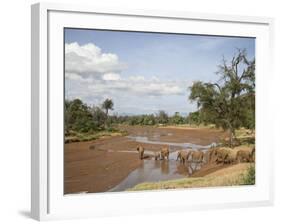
(140, 149)
(165, 153)
(157, 155)
(182, 156)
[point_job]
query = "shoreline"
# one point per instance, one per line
(227, 176)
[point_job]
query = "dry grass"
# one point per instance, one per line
(81, 137)
(225, 177)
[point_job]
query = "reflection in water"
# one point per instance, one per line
(157, 170)
(181, 169)
(150, 171)
(165, 167)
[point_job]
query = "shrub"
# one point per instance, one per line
(250, 176)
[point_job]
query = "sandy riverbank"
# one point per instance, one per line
(99, 165)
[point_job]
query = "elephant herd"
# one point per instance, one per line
(162, 154)
(212, 155)
(192, 155)
(231, 156)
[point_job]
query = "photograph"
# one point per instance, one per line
(151, 111)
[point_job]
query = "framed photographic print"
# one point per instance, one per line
(141, 108)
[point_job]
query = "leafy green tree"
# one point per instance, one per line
(148, 119)
(249, 111)
(177, 118)
(132, 120)
(194, 118)
(140, 119)
(67, 116)
(162, 117)
(228, 103)
(77, 116)
(99, 117)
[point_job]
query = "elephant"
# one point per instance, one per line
(189, 155)
(165, 153)
(221, 155)
(157, 155)
(210, 155)
(245, 155)
(196, 156)
(231, 157)
(182, 156)
(140, 149)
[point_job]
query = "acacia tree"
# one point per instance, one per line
(228, 103)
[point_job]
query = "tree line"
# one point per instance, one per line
(81, 117)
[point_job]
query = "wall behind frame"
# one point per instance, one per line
(15, 109)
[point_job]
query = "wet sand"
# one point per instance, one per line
(100, 165)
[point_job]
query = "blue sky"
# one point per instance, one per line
(143, 72)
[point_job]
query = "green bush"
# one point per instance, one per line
(250, 177)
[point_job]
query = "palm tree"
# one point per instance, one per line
(107, 105)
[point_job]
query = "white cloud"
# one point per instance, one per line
(154, 78)
(111, 76)
(155, 88)
(113, 84)
(90, 60)
(93, 75)
(76, 77)
(137, 78)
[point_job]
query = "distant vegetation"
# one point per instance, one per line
(80, 117)
(85, 123)
(228, 104)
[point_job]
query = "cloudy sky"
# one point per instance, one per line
(143, 72)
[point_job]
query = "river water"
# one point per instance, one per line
(185, 145)
(160, 170)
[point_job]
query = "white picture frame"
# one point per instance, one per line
(48, 201)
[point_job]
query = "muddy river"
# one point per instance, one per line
(113, 165)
